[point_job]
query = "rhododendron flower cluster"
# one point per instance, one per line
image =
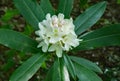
(56, 34)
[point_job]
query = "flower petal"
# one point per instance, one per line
(60, 17)
(57, 34)
(45, 47)
(52, 48)
(59, 52)
(48, 17)
(40, 44)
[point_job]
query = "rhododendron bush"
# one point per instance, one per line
(57, 35)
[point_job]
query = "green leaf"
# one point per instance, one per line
(106, 36)
(64, 71)
(31, 11)
(47, 7)
(86, 63)
(65, 7)
(86, 75)
(89, 17)
(70, 66)
(18, 41)
(49, 74)
(58, 72)
(28, 68)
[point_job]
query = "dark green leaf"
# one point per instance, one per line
(28, 68)
(31, 11)
(47, 7)
(70, 66)
(86, 63)
(49, 74)
(106, 36)
(89, 17)
(18, 41)
(65, 7)
(58, 72)
(86, 75)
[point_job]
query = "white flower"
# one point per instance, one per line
(56, 34)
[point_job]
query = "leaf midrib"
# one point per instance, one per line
(88, 18)
(99, 37)
(29, 67)
(26, 45)
(27, 38)
(30, 11)
(64, 6)
(94, 67)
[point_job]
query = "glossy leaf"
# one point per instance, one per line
(64, 71)
(18, 41)
(86, 75)
(31, 11)
(28, 68)
(106, 36)
(47, 7)
(86, 63)
(65, 7)
(58, 72)
(89, 17)
(70, 66)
